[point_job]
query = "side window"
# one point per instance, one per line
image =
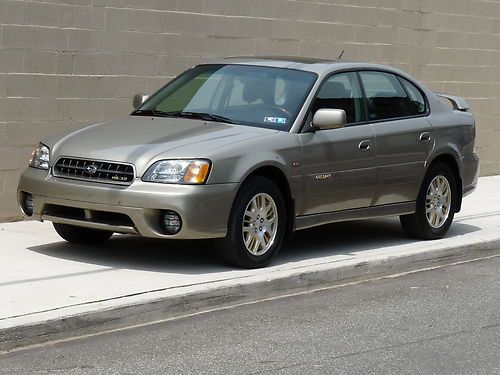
(341, 91)
(416, 96)
(386, 96)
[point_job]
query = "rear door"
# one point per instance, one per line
(398, 112)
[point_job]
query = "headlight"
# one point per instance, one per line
(178, 172)
(40, 157)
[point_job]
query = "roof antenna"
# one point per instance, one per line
(340, 56)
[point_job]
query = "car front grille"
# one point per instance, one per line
(94, 170)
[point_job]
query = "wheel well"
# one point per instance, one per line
(278, 177)
(450, 161)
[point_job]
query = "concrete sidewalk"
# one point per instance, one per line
(49, 288)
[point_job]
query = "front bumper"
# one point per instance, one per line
(204, 209)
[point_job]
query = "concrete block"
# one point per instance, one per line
(87, 63)
(128, 86)
(329, 13)
(12, 12)
(76, 2)
(144, 65)
(10, 181)
(8, 207)
(165, 4)
(40, 62)
(83, 40)
(13, 157)
(3, 133)
(187, 45)
(287, 29)
(277, 47)
(82, 17)
(22, 133)
(18, 36)
(173, 65)
(135, 20)
(132, 42)
(65, 63)
(193, 6)
(11, 108)
(307, 11)
(38, 109)
(43, 14)
(88, 18)
(116, 63)
(239, 27)
(11, 61)
(116, 108)
(228, 7)
(52, 39)
(136, 4)
(86, 110)
(190, 24)
(489, 168)
(33, 86)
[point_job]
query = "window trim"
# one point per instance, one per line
(398, 76)
(305, 129)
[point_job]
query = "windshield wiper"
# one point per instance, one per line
(151, 112)
(194, 115)
(202, 116)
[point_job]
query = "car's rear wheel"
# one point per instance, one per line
(75, 234)
(436, 205)
(256, 225)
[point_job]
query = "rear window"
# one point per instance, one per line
(386, 96)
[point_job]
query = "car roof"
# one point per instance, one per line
(316, 65)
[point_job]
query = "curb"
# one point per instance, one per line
(220, 294)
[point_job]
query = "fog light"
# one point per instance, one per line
(171, 222)
(28, 204)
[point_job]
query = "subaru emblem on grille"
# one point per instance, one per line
(91, 169)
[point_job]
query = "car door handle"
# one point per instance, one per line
(426, 136)
(365, 145)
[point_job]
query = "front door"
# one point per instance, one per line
(338, 165)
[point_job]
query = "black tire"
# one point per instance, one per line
(417, 224)
(75, 234)
(232, 248)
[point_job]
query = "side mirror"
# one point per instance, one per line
(327, 118)
(139, 99)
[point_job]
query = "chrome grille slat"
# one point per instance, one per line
(105, 172)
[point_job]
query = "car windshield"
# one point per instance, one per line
(238, 94)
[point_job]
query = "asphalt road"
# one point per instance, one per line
(444, 321)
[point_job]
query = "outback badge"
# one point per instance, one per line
(323, 176)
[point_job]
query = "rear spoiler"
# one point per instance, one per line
(458, 103)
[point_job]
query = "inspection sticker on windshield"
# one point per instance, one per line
(275, 120)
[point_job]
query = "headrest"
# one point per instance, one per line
(333, 90)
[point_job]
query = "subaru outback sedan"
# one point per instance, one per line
(247, 150)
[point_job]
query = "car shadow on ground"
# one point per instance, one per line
(195, 257)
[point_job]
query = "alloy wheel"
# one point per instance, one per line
(260, 224)
(438, 201)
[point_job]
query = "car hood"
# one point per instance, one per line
(142, 140)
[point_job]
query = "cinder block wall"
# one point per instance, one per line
(65, 63)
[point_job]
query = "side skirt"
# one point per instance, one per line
(308, 221)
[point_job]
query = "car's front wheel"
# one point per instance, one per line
(256, 225)
(75, 234)
(436, 205)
